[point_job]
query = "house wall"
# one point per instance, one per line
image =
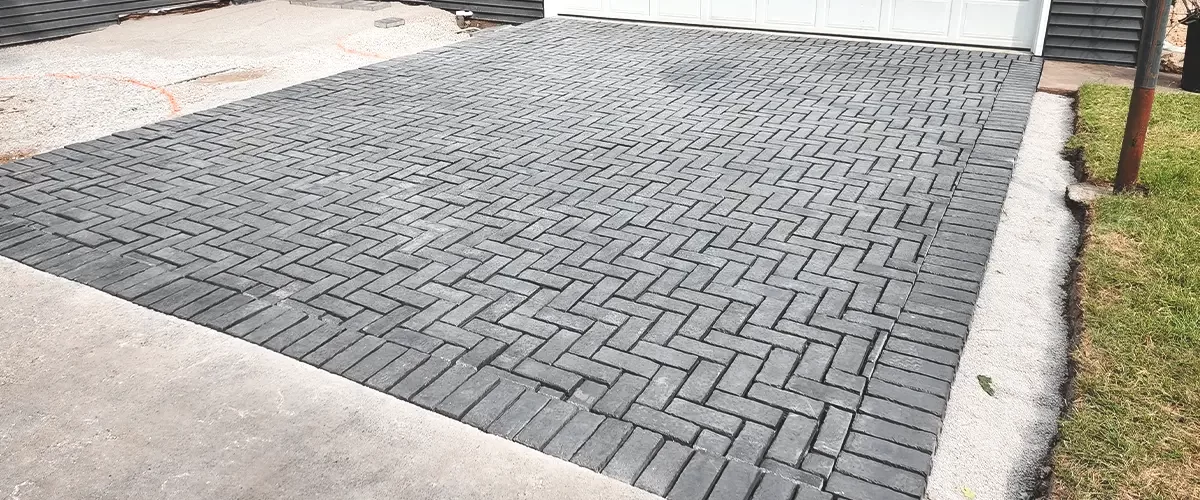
(32, 20)
(508, 11)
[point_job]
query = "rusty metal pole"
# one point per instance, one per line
(1149, 58)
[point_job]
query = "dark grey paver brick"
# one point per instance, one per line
(736, 481)
(603, 444)
(572, 436)
(549, 375)
(700, 383)
(621, 395)
(488, 409)
(885, 451)
(792, 439)
(331, 347)
(386, 377)
(664, 468)
(634, 455)
(751, 443)
(372, 363)
(880, 473)
(856, 489)
(818, 464)
(662, 387)
(778, 367)
(745, 408)
(417, 379)
(773, 487)
(705, 416)
(546, 424)
(520, 413)
(628, 217)
(470, 392)
(697, 477)
(739, 374)
(669, 425)
(712, 442)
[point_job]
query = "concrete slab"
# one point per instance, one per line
(145, 70)
(1065, 78)
(156, 407)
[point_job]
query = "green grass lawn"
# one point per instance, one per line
(1133, 430)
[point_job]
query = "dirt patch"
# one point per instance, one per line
(19, 154)
(234, 76)
(1177, 31)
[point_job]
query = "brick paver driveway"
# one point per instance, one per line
(705, 263)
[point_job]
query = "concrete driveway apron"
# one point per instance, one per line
(710, 264)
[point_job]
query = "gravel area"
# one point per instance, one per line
(991, 446)
(145, 70)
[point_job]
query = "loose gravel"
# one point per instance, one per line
(992, 447)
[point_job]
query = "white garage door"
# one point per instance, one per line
(995, 23)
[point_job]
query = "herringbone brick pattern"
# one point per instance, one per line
(672, 256)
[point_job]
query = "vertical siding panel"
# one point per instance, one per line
(509, 11)
(1103, 31)
(24, 21)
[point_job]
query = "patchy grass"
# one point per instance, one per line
(1133, 430)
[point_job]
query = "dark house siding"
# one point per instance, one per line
(32, 20)
(1102, 31)
(507, 11)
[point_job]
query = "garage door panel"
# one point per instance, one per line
(854, 14)
(680, 9)
(995, 19)
(999, 23)
(591, 7)
(636, 7)
(930, 17)
(732, 10)
(791, 12)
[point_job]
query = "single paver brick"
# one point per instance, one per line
(389, 22)
(736, 481)
(712, 442)
(792, 439)
(745, 408)
(773, 487)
